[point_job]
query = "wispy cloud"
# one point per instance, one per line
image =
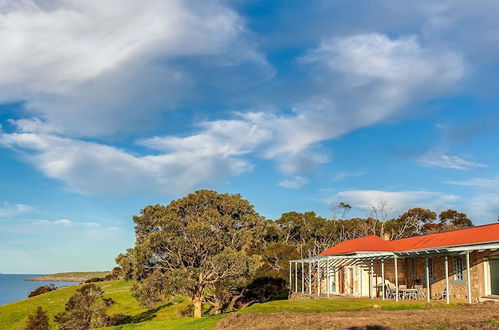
(8, 210)
(477, 182)
(438, 158)
(341, 175)
(293, 183)
(66, 223)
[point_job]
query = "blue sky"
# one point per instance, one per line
(108, 106)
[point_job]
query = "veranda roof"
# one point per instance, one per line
(451, 241)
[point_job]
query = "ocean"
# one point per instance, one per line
(13, 287)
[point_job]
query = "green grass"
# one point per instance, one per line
(14, 316)
(169, 316)
(333, 305)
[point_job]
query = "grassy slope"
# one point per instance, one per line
(75, 276)
(14, 316)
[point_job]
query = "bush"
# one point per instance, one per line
(264, 289)
(38, 320)
(86, 309)
(42, 289)
(116, 274)
(95, 279)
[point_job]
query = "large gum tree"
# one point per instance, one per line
(196, 243)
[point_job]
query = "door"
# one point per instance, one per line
(332, 282)
(494, 276)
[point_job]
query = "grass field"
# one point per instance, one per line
(13, 316)
(168, 316)
(334, 305)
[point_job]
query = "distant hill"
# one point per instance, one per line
(69, 277)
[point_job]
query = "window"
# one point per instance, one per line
(430, 269)
(458, 268)
(414, 267)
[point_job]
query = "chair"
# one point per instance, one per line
(419, 294)
(391, 291)
(442, 295)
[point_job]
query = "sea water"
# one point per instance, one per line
(14, 287)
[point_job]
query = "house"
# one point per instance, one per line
(459, 265)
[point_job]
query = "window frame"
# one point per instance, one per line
(458, 274)
(431, 270)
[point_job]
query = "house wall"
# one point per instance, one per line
(458, 289)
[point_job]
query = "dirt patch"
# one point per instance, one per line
(480, 316)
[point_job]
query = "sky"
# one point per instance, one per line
(109, 106)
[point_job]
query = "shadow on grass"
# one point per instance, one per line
(148, 314)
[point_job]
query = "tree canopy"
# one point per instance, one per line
(198, 245)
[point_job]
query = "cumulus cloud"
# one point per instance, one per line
(92, 68)
(8, 210)
(395, 200)
(438, 158)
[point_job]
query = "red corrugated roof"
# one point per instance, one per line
(368, 243)
(472, 235)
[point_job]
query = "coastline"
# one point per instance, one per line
(68, 277)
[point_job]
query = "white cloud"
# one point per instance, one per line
(492, 183)
(66, 223)
(484, 207)
(438, 158)
(369, 78)
(341, 175)
(396, 201)
(92, 68)
(293, 183)
(8, 210)
(88, 167)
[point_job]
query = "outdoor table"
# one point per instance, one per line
(409, 293)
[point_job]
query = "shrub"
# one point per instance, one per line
(38, 320)
(42, 289)
(264, 289)
(85, 309)
(95, 279)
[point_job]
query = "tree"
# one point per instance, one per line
(85, 309)
(196, 243)
(380, 213)
(339, 208)
(42, 289)
(38, 320)
(452, 219)
(415, 221)
(125, 261)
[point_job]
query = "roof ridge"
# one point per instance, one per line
(444, 232)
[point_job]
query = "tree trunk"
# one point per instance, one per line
(198, 306)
